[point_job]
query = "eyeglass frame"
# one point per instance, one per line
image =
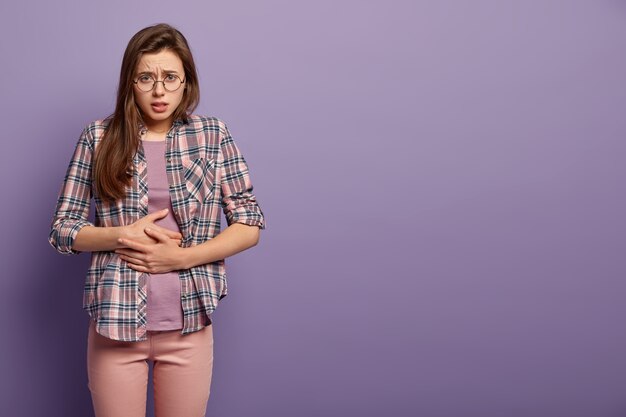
(154, 83)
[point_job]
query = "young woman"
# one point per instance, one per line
(160, 177)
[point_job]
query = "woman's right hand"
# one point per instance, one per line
(136, 231)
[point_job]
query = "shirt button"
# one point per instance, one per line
(169, 159)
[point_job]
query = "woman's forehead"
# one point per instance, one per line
(164, 61)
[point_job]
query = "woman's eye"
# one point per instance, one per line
(170, 77)
(144, 78)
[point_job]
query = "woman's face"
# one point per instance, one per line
(157, 106)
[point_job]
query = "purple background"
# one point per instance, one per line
(443, 183)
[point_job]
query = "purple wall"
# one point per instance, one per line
(444, 189)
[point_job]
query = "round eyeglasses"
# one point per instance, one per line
(146, 83)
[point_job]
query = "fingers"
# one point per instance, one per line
(156, 215)
(133, 255)
(135, 263)
(136, 259)
(133, 245)
(161, 237)
(159, 215)
(137, 267)
(169, 233)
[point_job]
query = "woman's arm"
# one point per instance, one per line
(71, 232)
(165, 256)
(72, 208)
(91, 238)
(234, 239)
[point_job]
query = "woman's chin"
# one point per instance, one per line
(156, 117)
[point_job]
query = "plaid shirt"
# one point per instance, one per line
(206, 172)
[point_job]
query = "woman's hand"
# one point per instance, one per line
(155, 258)
(136, 231)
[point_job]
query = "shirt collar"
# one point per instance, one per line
(177, 122)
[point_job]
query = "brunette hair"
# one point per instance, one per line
(113, 160)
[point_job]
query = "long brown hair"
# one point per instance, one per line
(113, 164)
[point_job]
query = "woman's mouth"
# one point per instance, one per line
(159, 107)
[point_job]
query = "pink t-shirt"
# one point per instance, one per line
(164, 309)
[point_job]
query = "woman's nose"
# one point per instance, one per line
(158, 89)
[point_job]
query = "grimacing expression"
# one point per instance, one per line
(157, 106)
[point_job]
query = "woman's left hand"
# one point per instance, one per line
(161, 257)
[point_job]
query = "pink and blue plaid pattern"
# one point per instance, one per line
(207, 175)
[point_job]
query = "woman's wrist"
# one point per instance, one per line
(98, 238)
(187, 258)
(121, 232)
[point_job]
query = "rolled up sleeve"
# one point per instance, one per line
(74, 199)
(238, 201)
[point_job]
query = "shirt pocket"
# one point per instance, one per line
(199, 174)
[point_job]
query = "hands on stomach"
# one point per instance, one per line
(151, 248)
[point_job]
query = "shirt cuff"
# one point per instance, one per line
(251, 218)
(63, 233)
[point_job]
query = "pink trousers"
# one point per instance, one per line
(182, 369)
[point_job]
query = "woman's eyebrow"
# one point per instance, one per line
(154, 73)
